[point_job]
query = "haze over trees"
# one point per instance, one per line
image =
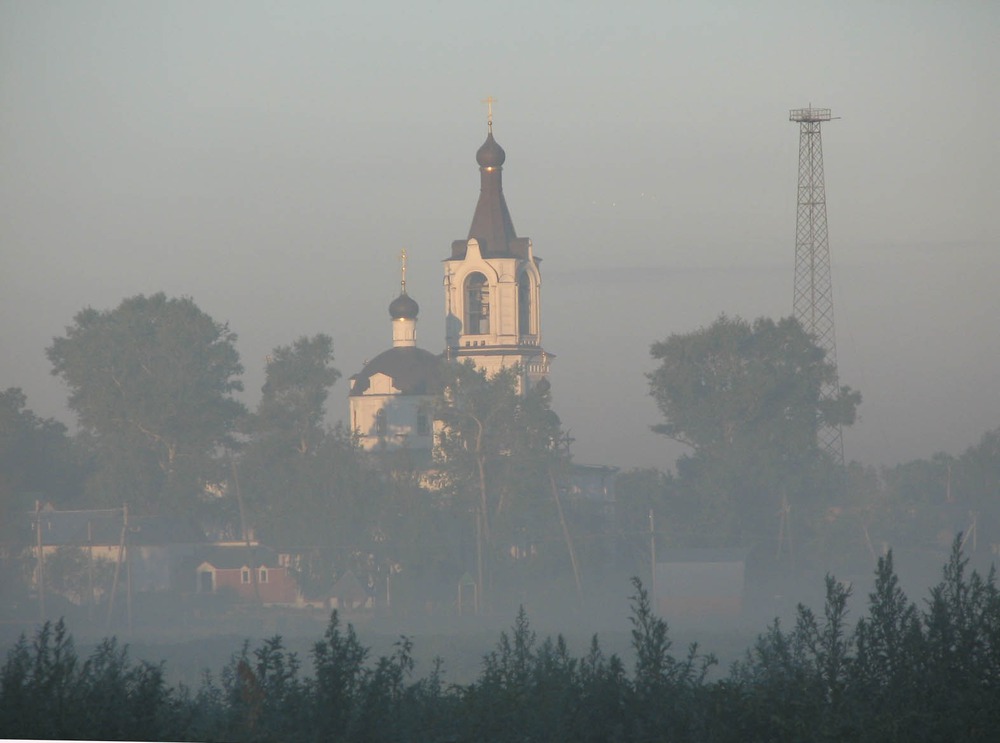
(36, 457)
(498, 460)
(902, 672)
(152, 384)
(746, 397)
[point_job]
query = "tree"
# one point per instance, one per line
(746, 398)
(931, 498)
(151, 382)
(299, 378)
(499, 458)
(299, 477)
(36, 457)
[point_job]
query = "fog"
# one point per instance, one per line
(270, 161)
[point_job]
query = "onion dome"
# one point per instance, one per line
(404, 307)
(490, 155)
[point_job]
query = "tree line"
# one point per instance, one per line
(900, 673)
(153, 385)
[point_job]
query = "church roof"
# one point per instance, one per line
(413, 371)
(404, 307)
(492, 226)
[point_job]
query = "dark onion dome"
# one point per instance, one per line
(490, 155)
(404, 307)
(413, 371)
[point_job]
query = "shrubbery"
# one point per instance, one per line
(901, 673)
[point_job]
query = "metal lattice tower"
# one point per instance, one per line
(812, 303)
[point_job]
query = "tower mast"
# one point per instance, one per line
(812, 302)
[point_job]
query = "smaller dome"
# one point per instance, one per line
(490, 155)
(404, 307)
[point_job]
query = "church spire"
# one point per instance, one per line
(492, 226)
(492, 283)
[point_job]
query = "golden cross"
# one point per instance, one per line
(489, 101)
(402, 260)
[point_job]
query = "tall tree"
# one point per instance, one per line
(292, 463)
(36, 457)
(499, 458)
(151, 382)
(292, 406)
(36, 462)
(746, 398)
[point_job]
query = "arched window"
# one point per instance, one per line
(477, 305)
(523, 304)
(381, 427)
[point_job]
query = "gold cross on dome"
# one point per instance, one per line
(402, 261)
(489, 101)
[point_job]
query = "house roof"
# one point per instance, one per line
(104, 527)
(233, 557)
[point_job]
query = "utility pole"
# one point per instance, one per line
(812, 303)
(652, 554)
(40, 562)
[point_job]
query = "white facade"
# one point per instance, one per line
(493, 285)
(385, 417)
(493, 312)
(392, 398)
(492, 317)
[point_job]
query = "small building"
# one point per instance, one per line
(348, 594)
(700, 583)
(252, 573)
(152, 547)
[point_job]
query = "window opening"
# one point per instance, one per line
(477, 305)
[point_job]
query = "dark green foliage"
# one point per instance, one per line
(151, 382)
(45, 692)
(925, 500)
(498, 460)
(339, 666)
(36, 460)
(901, 674)
(746, 397)
(37, 463)
(666, 694)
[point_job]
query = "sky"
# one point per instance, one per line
(270, 160)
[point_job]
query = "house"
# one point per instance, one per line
(252, 573)
(152, 548)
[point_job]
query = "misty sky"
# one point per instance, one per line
(270, 159)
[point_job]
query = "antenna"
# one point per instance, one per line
(812, 301)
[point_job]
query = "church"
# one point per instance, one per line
(492, 287)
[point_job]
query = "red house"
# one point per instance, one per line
(250, 572)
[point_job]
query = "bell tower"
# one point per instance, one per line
(492, 283)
